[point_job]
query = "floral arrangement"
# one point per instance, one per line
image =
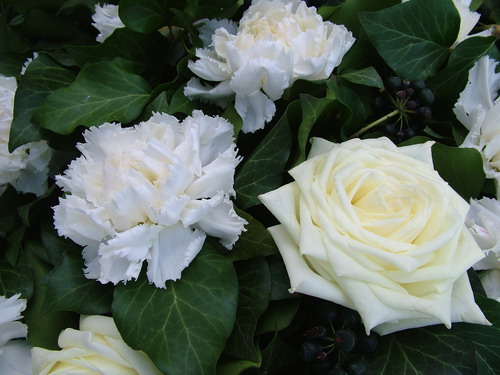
(249, 187)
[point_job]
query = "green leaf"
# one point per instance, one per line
(70, 290)
(485, 342)
(184, 327)
(278, 316)
(263, 169)
(253, 298)
(15, 244)
(449, 82)
(312, 110)
(41, 78)
(11, 63)
(16, 279)
(44, 329)
(145, 16)
(348, 12)
(256, 241)
(422, 351)
(366, 77)
(233, 117)
(414, 37)
(234, 367)
(180, 103)
(279, 358)
(483, 367)
(280, 282)
(145, 51)
(462, 168)
(102, 92)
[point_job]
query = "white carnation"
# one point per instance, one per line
(152, 192)
(276, 43)
(106, 20)
(478, 109)
(25, 168)
(15, 357)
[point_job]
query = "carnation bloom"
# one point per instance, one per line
(468, 20)
(26, 167)
(15, 357)
(373, 227)
(96, 348)
(483, 221)
(478, 109)
(276, 43)
(152, 192)
(106, 20)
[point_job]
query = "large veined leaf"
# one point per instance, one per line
(414, 37)
(146, 15)
(16, 279)
(102, 92)
(184, 327)
(263, 170)
(41, 78)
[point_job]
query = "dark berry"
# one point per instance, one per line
(321, 367)
(390, 129)
(401, 94)
(345, 340)
(316, 333)
(411, 104)
(350, 318)
(379, 105)
(366, 344)
(426, 97)
(418, 84)
(355, 368)
(394, 83)
(425, 112)
(309, 350)
(410, 133)
(327, 312)
(405, 84)
(400, 134)
(409, 91)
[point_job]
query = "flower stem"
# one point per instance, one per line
(374, 123)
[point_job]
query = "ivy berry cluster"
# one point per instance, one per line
(336, 344)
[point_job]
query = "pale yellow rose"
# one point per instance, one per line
(97, 348)
(373, 227)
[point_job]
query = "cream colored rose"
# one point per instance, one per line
(373, 227)
(97, 348)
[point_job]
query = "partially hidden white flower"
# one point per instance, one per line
(15, 356)
(96, 348)
(150, 193)
(478, 109)
(373, 227)
(276, 43)
(468, 19)
(106, 20)
(28, 62)
(26, 168)
(483, 221)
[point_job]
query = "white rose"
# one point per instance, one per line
(468, 20)
(276, 43)
(25, 168)
(15, 356)
(373, 227)
(97, 348)
(106, 20)
(152, 192)
(478, 109)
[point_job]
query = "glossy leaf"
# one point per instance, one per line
(16, 279)
(414, 37)
(184, 327)
(367, 77)
(102, 92)
(145, 15)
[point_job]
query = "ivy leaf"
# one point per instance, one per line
(462, 168)
(430, 350)
(102, 92)
(280, 282)
(414, 37)
(278, 316)
(253, 298)
(41, 78)
(256, 241)
(145, 16)
(184, 327)
(263, 170)
(449, 82)
(16, 279)
(366, 77)
(70, 290)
